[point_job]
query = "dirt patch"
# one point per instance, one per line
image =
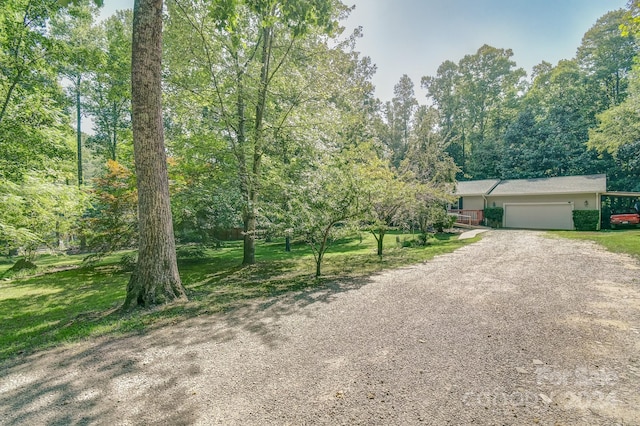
(515, 329)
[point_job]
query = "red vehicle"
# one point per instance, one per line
(628, 218)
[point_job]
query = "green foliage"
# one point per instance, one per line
(586, 220)
(22, 265)
(477, 98)
(128, 262)
(191, 252)
(332, 199)
(112, 221)
(619, 125)
(205, 193)
(108, 90)
(33, 127)
(397, 116)
(493, 216)
(608, 57)
(247, 74)
(443, 221)
(391, 200)
(40, 211)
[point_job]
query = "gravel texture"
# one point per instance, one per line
(519, 328)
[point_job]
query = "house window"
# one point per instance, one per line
(460, 206)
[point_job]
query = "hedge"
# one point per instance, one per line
(586, 220)
(493, 216)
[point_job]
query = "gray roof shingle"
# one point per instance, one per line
(553, 185)
(476, 187)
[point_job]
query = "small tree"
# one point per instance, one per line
(41, 211)
(390, 198)
(331, 200)
(113, 217)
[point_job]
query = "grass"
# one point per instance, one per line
(618, 241)
(59, 305)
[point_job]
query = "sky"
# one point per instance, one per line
(414, 37)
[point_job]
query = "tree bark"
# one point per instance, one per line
(155, 279)
(79, 128)
(379, 239)
(250, 217)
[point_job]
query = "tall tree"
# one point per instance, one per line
(108, 98)
(489, 87)
(240, 52)
(398, 116)
(156, 279)
(74, 31)
(433, 169)
(478, 97)
(441, 89)
(33, 124)
(607, 58)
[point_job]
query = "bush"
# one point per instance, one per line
(191, 252)
(22, 267)
(445, 222)
(112, 222)
(586, 220)
(493, 216)
(128, 262)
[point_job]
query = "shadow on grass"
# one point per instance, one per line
(49, 309)
(41, 390)
(226, 300)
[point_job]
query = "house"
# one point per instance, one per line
(546, 203)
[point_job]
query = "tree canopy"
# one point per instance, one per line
(266, 125)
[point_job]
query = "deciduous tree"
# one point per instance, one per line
(239, 52)
(156, 279)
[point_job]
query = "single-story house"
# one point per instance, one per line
(546, 203)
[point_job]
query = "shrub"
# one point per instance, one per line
(586, 220)
(113, 218)
(446, 222)
(22, 267)
(493, 216)
(128, 262)
(191, 252)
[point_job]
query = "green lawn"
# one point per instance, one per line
(61, 305)
(618, 241)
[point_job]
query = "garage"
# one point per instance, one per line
(539, 215)
(540, 203)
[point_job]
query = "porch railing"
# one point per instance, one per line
(468, 217)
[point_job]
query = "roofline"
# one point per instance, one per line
(621, 194)
(546, 193)
(493, 187)
(500, 181)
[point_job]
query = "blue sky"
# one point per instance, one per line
(415, 36)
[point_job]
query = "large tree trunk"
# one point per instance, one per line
(156, 279)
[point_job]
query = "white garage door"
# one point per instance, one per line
(539, 216)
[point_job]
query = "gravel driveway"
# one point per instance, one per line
(519, 328)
